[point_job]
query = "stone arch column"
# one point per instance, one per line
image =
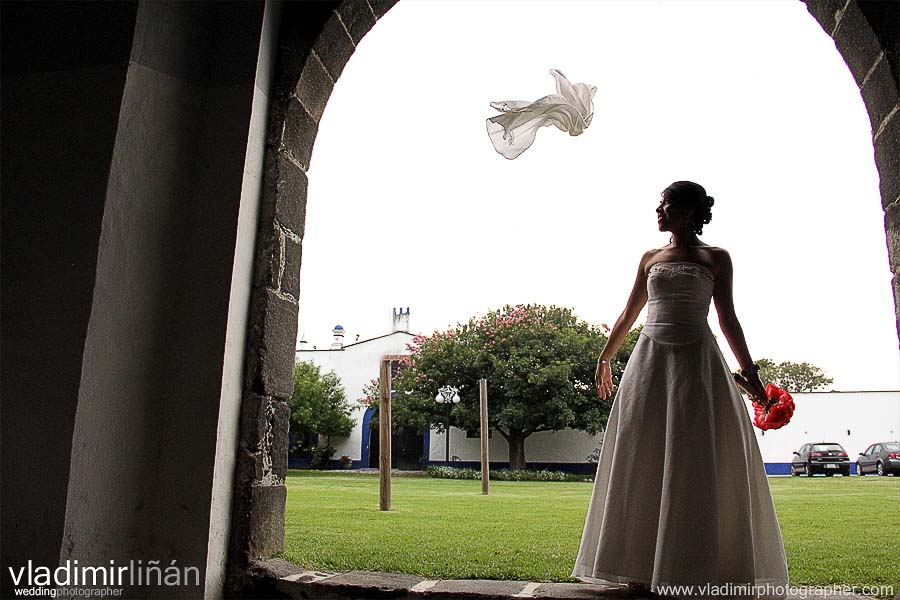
(316, 41)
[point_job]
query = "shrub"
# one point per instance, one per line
(320, 455)
(445, 472)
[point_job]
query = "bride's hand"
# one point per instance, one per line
(759, 390)
(603, 377)
(752, 385)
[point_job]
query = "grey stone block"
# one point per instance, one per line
(264, 577)
(268, 247)
(290, 277)
(857, 42)
(477, 588)
(284, 201)
(880, 94)
(334, 47)
(314, 87)
(380, 7)
(290, 205)
(586, 591)
(374, 581)
(267, 520)
(284, 194)
(279, 450)
(300, 131)
(887, 159)
(301, 23)
(250, 468)
(358, 18)
(277, 567)
(270, 345)
(254, 422)
(824, 12)
(277, 111)
(892, 231)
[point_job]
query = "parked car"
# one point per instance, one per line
(820, 457)
(882, 458)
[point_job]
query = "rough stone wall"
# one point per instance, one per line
(315, 42)
(866, 35)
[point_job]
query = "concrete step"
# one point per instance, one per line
(316, 585)
(276, 578)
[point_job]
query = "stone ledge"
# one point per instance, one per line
(318, 585)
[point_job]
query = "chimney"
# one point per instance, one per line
(338, 343)
(400, 321)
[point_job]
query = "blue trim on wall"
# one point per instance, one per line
(426, 446)
(334, 464)
(364, 445)
(785, 468)
(778, 468)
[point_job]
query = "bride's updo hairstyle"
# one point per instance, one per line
(688, 195)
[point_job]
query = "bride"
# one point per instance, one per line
(681, 496)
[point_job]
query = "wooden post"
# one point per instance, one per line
(384, 439)
(485, 454)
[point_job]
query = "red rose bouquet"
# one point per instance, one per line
(777, 410)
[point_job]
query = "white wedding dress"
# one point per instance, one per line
(681, 496)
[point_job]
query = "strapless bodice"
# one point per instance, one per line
(678, 295)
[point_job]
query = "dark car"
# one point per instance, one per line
(820, 457)
(882, 458)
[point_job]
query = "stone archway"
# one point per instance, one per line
(315, 42)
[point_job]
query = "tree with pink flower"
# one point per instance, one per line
(539, 362)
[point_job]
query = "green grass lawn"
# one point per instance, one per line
(840, 530)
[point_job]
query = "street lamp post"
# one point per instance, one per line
(448, 395)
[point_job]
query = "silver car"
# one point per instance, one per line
(882, 458)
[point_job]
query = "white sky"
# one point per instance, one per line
(410, 205)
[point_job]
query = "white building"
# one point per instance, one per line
(852, 419)
(357, 364)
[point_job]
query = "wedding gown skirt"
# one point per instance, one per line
(681, 496)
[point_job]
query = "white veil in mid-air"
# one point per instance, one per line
(569, 109)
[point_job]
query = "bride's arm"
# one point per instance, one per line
(728, 321)
(636, 302)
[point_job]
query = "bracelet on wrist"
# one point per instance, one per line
(603, 361)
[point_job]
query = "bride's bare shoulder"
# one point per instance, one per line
(719, 258)
(649, 257)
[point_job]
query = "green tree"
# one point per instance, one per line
(539, 362)
(793, 377)
(318, 404)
